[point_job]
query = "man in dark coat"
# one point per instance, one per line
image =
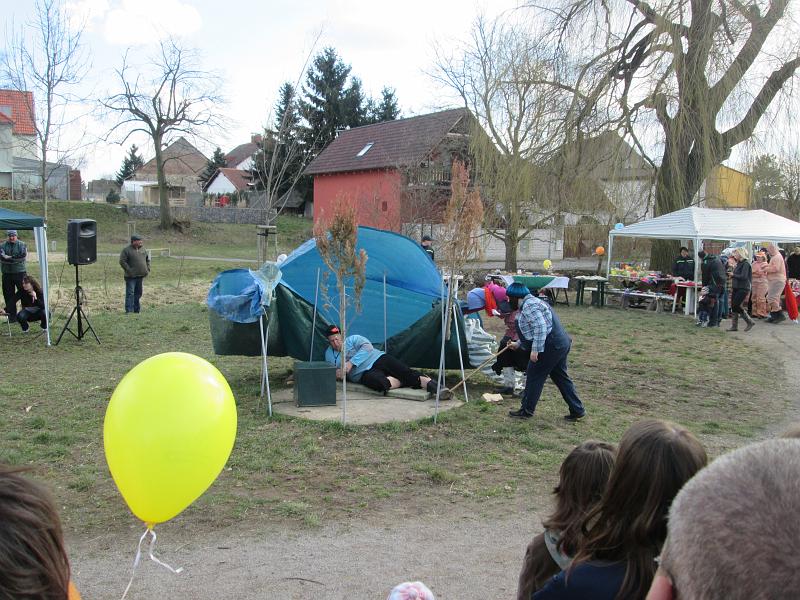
(543, 336)
(13, 253)
(715, 277)
(135, 262)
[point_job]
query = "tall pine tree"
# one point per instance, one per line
(129, 165)
(388, 109)
(217, 161)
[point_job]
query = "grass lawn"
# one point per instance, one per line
(626, 365)
(203, 239)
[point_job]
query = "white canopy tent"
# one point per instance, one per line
(698, 224)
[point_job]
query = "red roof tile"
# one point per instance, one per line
(22, 110)
(394, 143)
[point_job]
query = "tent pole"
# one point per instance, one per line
(445, 305)
(314, 320)
(385, 337)
(697, 277)
(264, 367)
(608, 258)
(40, 238)
(460, 356)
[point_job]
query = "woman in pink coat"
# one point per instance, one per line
(776, 281)
(759, 290)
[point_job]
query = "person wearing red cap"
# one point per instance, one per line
(365, 364)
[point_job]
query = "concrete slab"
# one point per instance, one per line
(365, 406)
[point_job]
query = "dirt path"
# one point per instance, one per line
(458, 552)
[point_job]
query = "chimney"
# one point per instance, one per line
(255, 138)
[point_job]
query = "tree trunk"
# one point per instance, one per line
(163, 199)
(43, 175)
(511, 241)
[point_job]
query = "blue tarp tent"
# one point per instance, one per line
(413, 283)
(409, 306)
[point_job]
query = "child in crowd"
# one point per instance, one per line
(704, 305)
(616, 558)
(33, 561)
(582, 481)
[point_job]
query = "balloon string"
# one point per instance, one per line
(151, 553)
(135, 562)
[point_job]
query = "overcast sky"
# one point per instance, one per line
(257, 45)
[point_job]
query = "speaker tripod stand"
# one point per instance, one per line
(81, 316)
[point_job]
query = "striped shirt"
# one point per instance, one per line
(535, 321)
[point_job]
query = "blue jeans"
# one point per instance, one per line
(553, 363)
(133, 291)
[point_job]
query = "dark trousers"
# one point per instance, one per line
(376, 378)
(12, 287)
(715, 313)
(551, 363)
(133, 291)
(737, 299)
(31, 313)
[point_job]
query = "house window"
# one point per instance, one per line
(365, 149)
(384, 206)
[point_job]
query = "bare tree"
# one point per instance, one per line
(689, 78)
(337, 246)
(172, 96)
(509, 82)
(46, 58)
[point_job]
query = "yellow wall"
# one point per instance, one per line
(728, 188)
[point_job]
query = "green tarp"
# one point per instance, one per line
(11, 219)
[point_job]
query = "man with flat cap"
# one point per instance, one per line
(13, 253)
(135, 261)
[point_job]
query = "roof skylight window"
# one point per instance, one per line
(365, 149)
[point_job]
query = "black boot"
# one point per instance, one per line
(748, 319)
(779, 316)
(734, 323)
(771, 317)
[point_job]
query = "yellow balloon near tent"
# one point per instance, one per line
(169, 430)
(547, 264)
(599, 251)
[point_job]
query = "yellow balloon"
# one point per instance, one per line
(547, 263)
(168, 431)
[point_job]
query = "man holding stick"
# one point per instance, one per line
(542, 335)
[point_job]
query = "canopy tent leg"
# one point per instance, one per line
(445, 304)
(314, 321)
(608, 257)
(264, 367)
(460, 356)
(697, 277)
(40, 238)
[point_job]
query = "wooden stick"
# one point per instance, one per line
(478, 368)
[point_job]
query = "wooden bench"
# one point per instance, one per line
(657, 299)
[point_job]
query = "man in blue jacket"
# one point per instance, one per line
(365, 364)
(541, 333)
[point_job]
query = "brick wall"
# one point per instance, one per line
(204, 214)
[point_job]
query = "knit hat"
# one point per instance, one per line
(332, 330)
(11, 232)
(136, 237)
(517, 290)
(427, 238)
(415, 590)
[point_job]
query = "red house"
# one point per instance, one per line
(395, 172)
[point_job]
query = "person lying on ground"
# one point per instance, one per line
(582, 480)
(363, 363)
(733, 530)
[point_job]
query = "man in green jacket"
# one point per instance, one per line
(135, 261)
(13, 253)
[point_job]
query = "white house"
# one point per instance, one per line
(228, 181)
